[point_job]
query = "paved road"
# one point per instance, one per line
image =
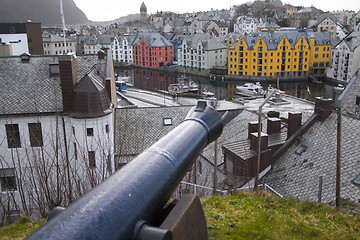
(143, 98)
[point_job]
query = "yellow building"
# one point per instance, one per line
(276, 54)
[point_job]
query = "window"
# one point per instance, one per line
(13, 135)
(167, 121)
(89, 132)
(7, 179)
(358, 101)
(35, 133)
(92, 163)
(107, 128)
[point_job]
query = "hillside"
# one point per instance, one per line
(251, 215)
(47, 12)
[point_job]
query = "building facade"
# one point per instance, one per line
(121, 48)
(245, 25)
(55, 45)
(345, 58)
(152, 50)
(57, 140)
(22, 37)
(201, 51)
(275, 54)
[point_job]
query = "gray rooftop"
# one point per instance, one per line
(152, 39)
(298, 175)
(137, 129)
(27, 88)
(208, 42)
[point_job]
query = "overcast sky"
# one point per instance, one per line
(105, 10)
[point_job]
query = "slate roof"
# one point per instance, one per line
(235, 130)
(352, 40)
(322, 17)
(209, 43)
(27, 88)
(273, 38)
(137, 129)
(298, 175)
(152, 39)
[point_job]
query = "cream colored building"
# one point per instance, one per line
(55, 45)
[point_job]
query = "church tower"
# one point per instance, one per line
(143, 13)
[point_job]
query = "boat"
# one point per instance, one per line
(250, 90)
(182, 87)
(208, 95)
(177, 88)
(193, 87)
(271, 89)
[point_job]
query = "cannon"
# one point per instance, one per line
(128, 203)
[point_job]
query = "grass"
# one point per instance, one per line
(21, 229)
(251, 215)
(255, 215)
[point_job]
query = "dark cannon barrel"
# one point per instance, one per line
(139, 190)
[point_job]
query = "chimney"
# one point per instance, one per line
(252, 127)
(273, 125)
(68, 76)
(254, 141)
(101, 55)
(323, 107)
(294, 123)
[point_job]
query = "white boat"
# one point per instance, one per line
(193, 87)
(270, 89)
(208, 95)
(250, 90)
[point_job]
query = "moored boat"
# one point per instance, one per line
(250, 90)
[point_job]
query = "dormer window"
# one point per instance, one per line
(25, 57)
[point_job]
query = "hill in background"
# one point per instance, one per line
(47, 12)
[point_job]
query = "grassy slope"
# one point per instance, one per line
(251, 215)
(20, 230)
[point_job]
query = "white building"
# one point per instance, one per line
(55, 45)
(122, 49)
(246, 25)
(345, 58)
(56, 130)
(201, 51)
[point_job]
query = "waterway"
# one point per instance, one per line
(223, 89)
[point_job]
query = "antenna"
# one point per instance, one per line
(63, 22)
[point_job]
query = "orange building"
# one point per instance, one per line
(152, 50)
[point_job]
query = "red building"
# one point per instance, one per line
(152, 50)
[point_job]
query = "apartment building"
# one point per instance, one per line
(201, 51)
(56, 45)
(345, 58)
(246, 25)
(121, 48)
(152, 50)
(276, 54)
